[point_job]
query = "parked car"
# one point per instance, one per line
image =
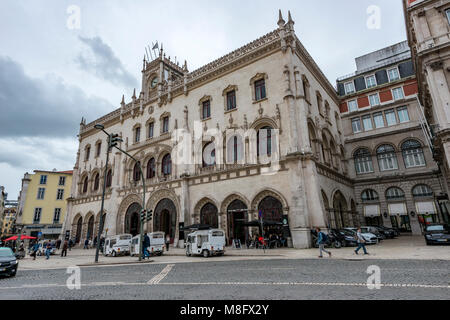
(43, 247)
(117, 245)
(437, 234)
(206, 243)
(373, 230)
(389, 233)
(156, 244)
(8, 262)
(350, 237)
(369, 237)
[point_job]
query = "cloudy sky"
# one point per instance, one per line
(52, 72)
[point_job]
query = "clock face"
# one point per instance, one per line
(154, 82)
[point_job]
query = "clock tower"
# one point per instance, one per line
(159, 74)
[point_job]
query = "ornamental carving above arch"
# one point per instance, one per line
(200, 204)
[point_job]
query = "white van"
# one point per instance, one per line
(206, 242)
(156, 244)
(117, 245)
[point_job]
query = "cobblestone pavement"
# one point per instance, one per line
(405, 247)
(244, 279)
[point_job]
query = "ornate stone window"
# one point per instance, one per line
(98, 148)
(136, 133)
(229, 95)
(109, 178)
(422, 190)
(166, 167)
(151, 168)
(136, 172)
(164, 119)
(205, 107)
(96, 181)
(235, 149)
(87, 151)
(259, 87)
(265, 141)
(85, 185)
(150, 128)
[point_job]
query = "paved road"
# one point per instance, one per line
(234, 280)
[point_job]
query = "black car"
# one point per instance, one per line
(437, 234)
(8, 262)
(387, 232)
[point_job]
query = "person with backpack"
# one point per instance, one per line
(361, 242)
(321, 241)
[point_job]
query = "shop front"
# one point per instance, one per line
(372, 215)
(426, 213)
(399, 216)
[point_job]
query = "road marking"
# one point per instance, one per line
(159, 277)
(169, 267)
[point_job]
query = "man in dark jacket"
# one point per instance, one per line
(145, 246)
(321, 241)
(64, 248)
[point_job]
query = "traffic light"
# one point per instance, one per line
(143, 212)
(149, 215)
(114, 140)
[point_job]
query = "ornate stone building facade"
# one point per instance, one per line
(428, 30)
(267, 100)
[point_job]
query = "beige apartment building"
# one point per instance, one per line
(428, 30)
(396, 180)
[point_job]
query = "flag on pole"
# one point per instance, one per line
(156, 46)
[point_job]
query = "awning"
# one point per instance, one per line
(397, 209)
(372, 210)
(51, 231)
(425, 207)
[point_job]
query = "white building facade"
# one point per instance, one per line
(261, 135)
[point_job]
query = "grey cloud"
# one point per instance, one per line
(42, 107)
(103, 63)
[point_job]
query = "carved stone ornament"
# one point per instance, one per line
(151, 109)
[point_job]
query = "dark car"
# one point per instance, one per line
(349, 236)
(8, 262)
(389, 233)
(437, 234)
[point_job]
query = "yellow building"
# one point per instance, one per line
(9, 219)
(43, 203)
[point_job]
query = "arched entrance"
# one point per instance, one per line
(78, 232)
(209, 215)
(132, 221)
(90, 229)
(340, 210)
(271, 210)
(237, 214)
(164, 218)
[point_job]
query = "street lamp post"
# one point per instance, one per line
(100, 227)
(113, 139)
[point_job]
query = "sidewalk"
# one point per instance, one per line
(405, 247)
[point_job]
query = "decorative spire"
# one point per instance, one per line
(281, 21)
(290, 21)
(134, 94)
(123, 101)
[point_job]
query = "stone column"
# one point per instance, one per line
(184, 204)
(298, 209)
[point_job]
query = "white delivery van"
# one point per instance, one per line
(206, 242)
(117, 245)
(156, 244)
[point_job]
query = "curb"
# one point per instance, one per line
(113, 264)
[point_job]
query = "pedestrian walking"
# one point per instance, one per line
(146, 245)
(64, 248)
(34, 250)
(86, 244)
(70, 244)
(321, 241)
(361, 242)
(167, 242)
(58, 244)
(48, 250)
